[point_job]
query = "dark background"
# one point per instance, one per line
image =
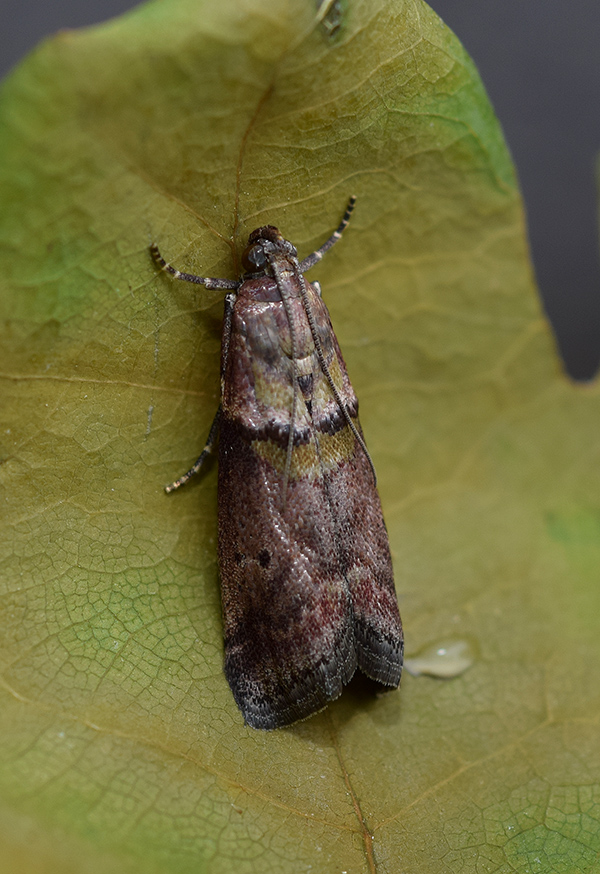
(540, 61)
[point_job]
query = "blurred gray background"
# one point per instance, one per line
(540, 61)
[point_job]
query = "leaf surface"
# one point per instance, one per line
(190, 123)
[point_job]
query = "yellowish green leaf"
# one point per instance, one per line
(121, 748)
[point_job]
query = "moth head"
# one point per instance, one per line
(265, 244)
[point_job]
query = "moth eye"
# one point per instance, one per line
(254, 259)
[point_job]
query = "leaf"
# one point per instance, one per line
(121, 747)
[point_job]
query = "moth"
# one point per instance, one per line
(306, 574)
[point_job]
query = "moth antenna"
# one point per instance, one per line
(314, 257)
(208, 281)
(325, 368)
(290, 444)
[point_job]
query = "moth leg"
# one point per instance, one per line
(207, 281)
(226, 336)
(314, 257)
(195, 468)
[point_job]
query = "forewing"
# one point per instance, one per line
(289, 641)
(361, 535)
(366, 561)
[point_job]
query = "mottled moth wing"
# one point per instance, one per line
(366, 560)
(306, 573)
(289, 645)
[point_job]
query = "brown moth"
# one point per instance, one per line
(306, 574)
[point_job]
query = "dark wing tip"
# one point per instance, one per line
(380, 655)
(274, 702)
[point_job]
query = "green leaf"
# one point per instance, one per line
(121, 748)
